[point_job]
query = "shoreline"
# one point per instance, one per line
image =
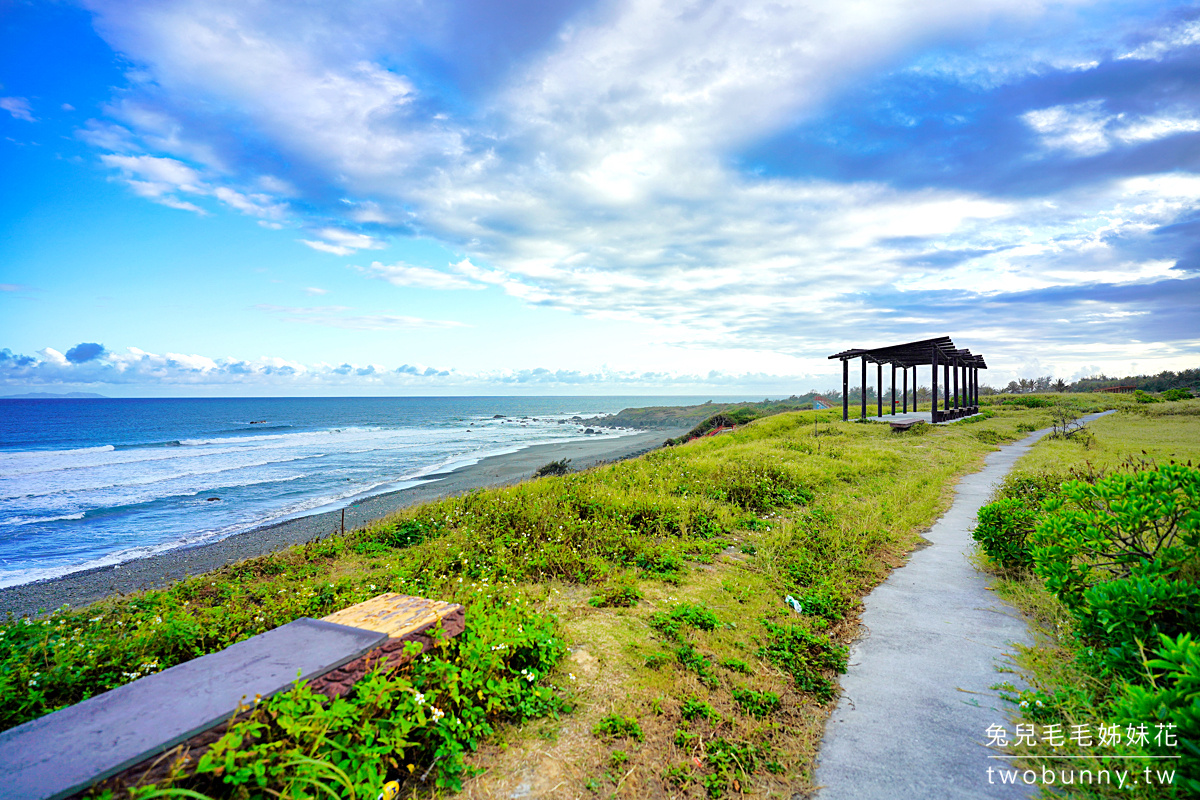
(155, 571)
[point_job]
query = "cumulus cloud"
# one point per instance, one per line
(84, 352)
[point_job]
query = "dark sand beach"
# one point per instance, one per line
(80, 588)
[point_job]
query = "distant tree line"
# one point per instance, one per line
(1186, 379)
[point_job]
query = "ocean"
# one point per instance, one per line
(85, 483)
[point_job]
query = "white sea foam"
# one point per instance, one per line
(143, 500)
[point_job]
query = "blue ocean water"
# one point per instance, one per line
(85, 483)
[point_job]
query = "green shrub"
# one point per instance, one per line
(614, 726)
(737, 665)
(617, 594)
(730, 761)
(1176, 394)
(1032, 488)
(1028, 401)
(1003, 531)
(1097, 532)
(756, 704)
(406, 534)
(693, 708)
(554, 468)
(681, 617)
(691, 658)
(1121, 618)
(1171, 698)
(1145, 397)
(805, 655)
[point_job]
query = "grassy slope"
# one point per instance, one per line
(731, 523)
(1161, 433)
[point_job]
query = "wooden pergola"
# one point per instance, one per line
(960, 369)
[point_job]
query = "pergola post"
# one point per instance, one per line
(864, 388)
(879, 388)
(933, 394)
(956, 403)
(845, 389)
(893, 390)
(906, 391)
(946, 386)
(975, 387)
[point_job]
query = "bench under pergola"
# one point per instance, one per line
(960, 379)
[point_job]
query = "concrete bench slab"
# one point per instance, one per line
(65, 752)
(904, 424)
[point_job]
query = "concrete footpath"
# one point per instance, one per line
(917, 698)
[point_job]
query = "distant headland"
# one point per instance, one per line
(53, 396)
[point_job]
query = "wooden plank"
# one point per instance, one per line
(396, 615)
(65, 752)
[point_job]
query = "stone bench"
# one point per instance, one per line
(904, 424)
(125, 732)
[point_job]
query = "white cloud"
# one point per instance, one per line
(1185, 34)
(401, 274)
(1085, 129)
(342, 242)
(315, 290)
(19, 108)
(1079, 128)
(340, 317)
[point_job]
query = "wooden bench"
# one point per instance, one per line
(904, 424)
(126, 730)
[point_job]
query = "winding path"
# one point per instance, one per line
(917, 698)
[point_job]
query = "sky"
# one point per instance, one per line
(245, 197)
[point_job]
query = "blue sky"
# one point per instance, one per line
(234, 198)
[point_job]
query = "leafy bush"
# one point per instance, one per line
(1120, 618)
(560, 467)
(1028, 401)
(614, 726)
(1003, 532)
(1145, 397)
(1171, 698)
(682, 616)
(1176, 394)
(1101, 531)
(757, 704)
(805, 655)
(737, 665)
(730, 762)
(404, 534)
(691, 658)
(617, 594)
(693, 708)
